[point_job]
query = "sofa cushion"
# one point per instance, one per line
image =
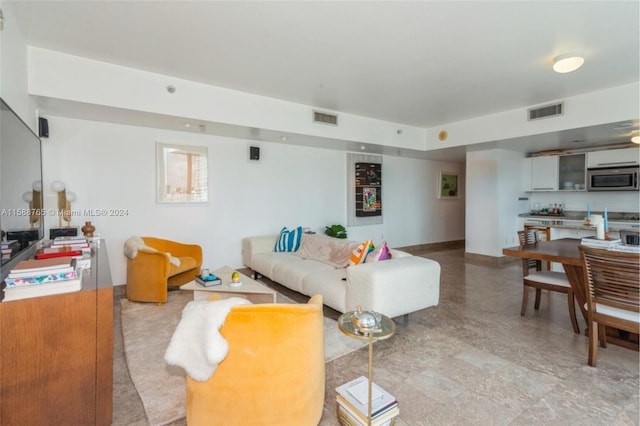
(331, 284)
(329, 250)
(264, 263)
(186, 263)
(291, 273)
(289, 239)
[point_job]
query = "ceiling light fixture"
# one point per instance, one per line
(567, 63)
(635, 139)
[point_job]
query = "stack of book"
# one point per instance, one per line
(75, 242)
(42, 277)
(208, 280)
(9, 248)
(594, 242)
(64, 247)
(353, 404)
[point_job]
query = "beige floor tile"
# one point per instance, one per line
(471, 360)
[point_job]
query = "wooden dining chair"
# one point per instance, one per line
(535, 277)
(613, 294)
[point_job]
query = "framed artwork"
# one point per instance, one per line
(448, 185)
(182, 173)
(368, 189)
(364, 189)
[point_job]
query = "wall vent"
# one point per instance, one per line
(324, 118)
(546, 111)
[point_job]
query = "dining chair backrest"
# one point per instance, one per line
(529, 236)
(613, 278)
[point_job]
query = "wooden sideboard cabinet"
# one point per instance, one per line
(56, 354)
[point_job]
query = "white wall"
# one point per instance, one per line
(509, 197)
(493, 192)
(605, 106)
(482, 218)
(112, 166)
(13, 69)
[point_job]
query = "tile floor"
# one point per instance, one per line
(472, 360)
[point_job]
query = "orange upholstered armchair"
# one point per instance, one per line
(155, 264)
(273, 373)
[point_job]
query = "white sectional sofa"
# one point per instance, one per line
(394, 287)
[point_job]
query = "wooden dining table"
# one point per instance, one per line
(566, 252)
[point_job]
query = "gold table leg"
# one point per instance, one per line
(370, 374)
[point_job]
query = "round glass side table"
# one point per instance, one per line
(385, 329)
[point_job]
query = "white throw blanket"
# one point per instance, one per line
(196, 344)
(133, 244)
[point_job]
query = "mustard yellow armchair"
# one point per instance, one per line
(273, 373)
(151, 270)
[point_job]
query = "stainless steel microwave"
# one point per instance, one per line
(613, 179)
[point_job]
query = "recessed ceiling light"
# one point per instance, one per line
(187, 125)
(567, 63)
(635, 139)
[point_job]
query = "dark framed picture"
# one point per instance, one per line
(368, 189)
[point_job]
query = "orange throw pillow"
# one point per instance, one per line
(360, 253)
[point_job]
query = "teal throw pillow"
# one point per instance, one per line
(289, 239)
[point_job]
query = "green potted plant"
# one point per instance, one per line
(336, 231)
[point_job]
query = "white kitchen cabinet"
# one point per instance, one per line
(613, 158)
(544, 173)
(526, 174)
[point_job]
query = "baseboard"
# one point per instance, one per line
(444, 245)
(494, 260)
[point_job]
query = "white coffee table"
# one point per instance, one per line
(250, 289)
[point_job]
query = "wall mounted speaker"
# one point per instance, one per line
(43, 127)
(254, 153)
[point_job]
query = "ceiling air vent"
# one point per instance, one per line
(321, 117)
(546, 111)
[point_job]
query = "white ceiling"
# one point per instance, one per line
(421, 63)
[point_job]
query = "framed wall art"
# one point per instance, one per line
(182, 173)
(448, 185)
(364, 188)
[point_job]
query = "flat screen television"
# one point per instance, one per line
(21, 202)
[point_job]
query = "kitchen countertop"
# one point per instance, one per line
(567, 223)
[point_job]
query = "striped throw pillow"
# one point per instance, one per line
(289, 239)
(360, 253)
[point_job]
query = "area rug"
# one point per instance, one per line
(147, 329)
